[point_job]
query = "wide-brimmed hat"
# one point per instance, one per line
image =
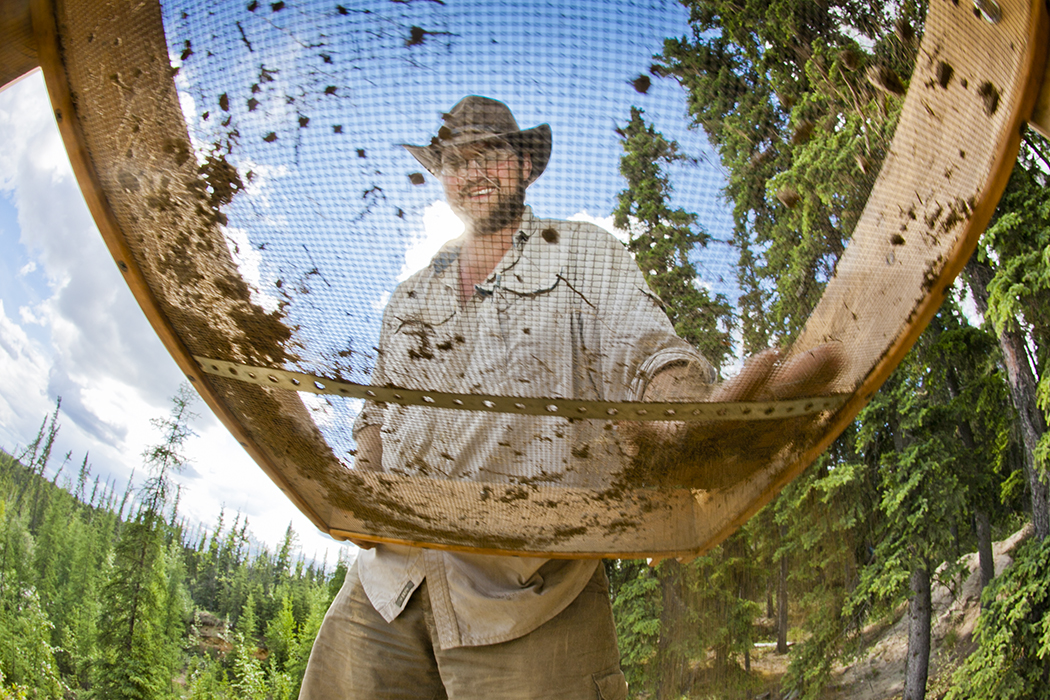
(476, 118)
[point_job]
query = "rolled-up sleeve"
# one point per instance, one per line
(635, 335)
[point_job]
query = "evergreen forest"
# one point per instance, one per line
(107, 593)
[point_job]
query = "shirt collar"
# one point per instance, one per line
(449, 253)
(445, 257)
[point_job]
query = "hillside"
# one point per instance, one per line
(878, 674)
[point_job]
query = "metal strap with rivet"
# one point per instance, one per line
(567, 408)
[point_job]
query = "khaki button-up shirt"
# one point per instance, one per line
(566, 314)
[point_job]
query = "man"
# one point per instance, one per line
(518, 306)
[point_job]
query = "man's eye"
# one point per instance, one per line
(484, 161)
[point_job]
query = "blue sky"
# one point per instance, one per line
(68, 324)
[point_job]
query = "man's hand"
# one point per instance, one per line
(716, 454)
(765, 379)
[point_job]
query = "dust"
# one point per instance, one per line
(716, 455)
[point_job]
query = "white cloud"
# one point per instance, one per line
(27, 268)
(968, 305)
(23, 375)
(224, 476)
(701, 286)
(30, 317)
(188, 105)
(605, 222)
(380, 303)
(259, 187)
(29, 132)
(440, 226)
(320, 408)
(249, 262)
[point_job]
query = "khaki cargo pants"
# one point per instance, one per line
(360, 656)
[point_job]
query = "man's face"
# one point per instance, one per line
(485, 184)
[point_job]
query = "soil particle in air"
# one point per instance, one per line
(990, 95)
(944, 74)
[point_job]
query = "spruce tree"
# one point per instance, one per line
(1010, 279)
(664, 239)
(135, 632)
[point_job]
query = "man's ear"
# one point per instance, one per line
(526, 167)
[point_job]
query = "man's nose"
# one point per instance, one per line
(475, 167)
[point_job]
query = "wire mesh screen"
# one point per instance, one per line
(308, 105)
(524, 331)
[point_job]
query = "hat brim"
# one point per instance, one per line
(536, 142)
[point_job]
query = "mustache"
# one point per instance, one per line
(480, 182)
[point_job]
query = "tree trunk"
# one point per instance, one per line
(984, 547)
(982, 524)
(671, 662)
(917, 665)
(782, 606)
(1022, 390)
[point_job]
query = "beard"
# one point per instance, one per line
(489, 217)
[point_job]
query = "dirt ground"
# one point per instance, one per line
(878, 673)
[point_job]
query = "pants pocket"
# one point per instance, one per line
(611, 685)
